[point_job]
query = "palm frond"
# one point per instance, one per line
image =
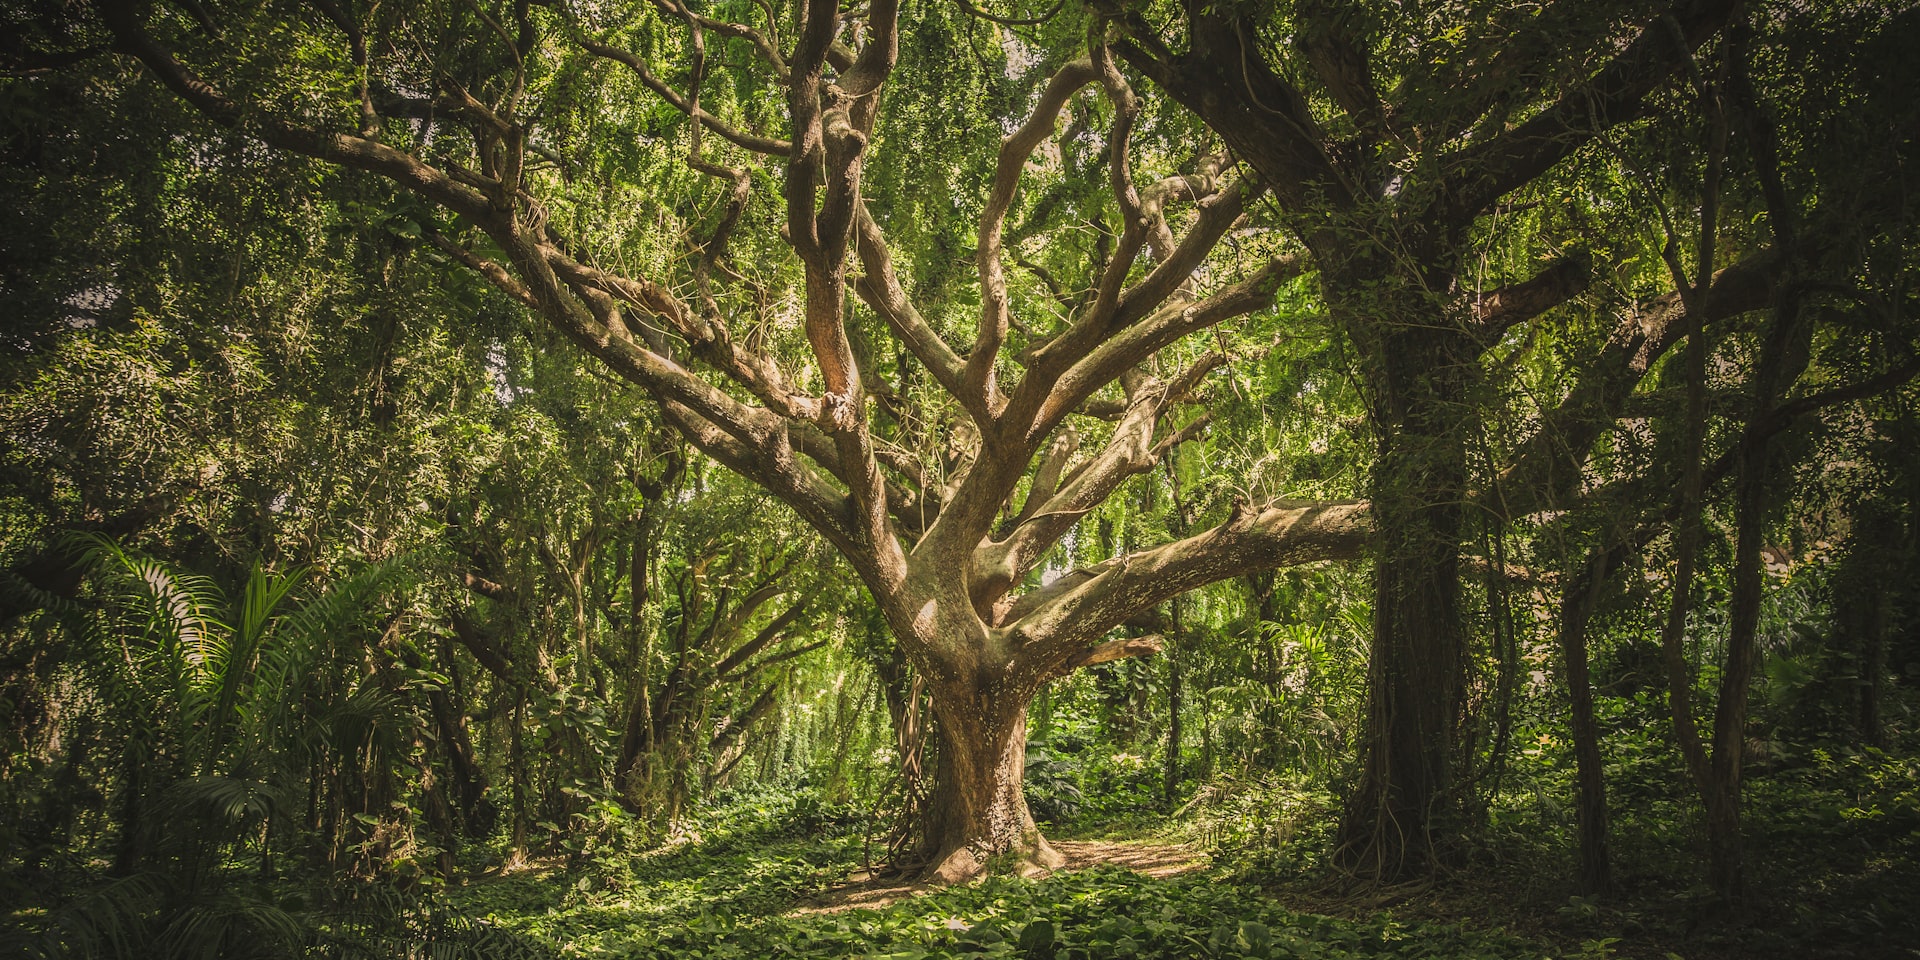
(263, 595)
(230, 926)
(110, 921)
(236, 801)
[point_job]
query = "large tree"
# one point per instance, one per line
(942, 454)
(1401, 144)
(1416, 148)
(944, 289)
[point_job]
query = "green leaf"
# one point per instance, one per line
(1253, 937)
(1037, 939)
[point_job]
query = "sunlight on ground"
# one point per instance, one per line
(871, 890)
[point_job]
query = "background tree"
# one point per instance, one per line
(945, 540)
(1400, 151)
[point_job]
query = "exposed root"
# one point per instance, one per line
(967, 863)
(873, 890)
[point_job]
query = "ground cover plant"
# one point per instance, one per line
(507, 477)
(749, 889)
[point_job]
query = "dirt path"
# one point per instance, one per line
(1146, 858)
(1156, 860)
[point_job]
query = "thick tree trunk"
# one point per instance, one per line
(1399, 820)
(1406, 802)
(977, 819)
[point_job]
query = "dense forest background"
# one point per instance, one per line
(521, 479)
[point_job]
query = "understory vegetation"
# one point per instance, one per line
(1082, 479)
(755, 874)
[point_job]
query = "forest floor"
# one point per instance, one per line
(1834, 877)
(865, 889)
(764, 885)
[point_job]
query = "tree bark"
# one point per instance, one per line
(517, 762)
(1577, 605)
(1863, 606)
(1784, 353)
(1725, 851)
(977, 818)
(1170, 780)
(469, 780)
(1399, 819)
(1396, 821)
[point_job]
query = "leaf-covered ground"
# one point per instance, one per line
(787, 876)
(761, 888)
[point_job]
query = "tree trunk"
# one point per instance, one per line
(1724, 848)
(1863, 606)
(1396, 821)
(129, 848)
(469, 785)
(1785, 348)
(1873, 669)
(1506, 674)
(902, 692)
(1170, 781)
(1577, 605)
(439, 817)
(517, 760)
(977, 818)
(1406, 804)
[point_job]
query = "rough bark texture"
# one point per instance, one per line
(1408, 802)
(978, 817)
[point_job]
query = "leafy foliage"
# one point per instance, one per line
(348, 607)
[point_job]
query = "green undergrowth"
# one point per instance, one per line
(754, 857)
(1097, 913)
(737, 885)
(1832, 856)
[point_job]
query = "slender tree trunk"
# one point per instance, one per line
(450, 723)
(902, 688)
(128, 846)
(439, 817)
(1206, 734)
(1577, 605)
(1785, 349)
(635, 738)
(1170, 781)
(1506, 672)
(1725, 871)
(517, 759)
(1863, 606)
(1873, 667)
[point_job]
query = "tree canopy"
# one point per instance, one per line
(648, 370)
